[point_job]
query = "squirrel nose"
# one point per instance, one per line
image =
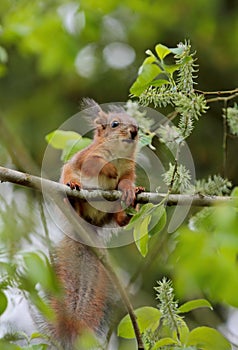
(134, 132)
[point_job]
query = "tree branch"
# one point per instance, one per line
(40, 184)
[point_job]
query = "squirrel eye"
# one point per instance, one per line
(114, 123)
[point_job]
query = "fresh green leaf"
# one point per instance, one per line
(164, 342)
(147, 317)
(171, 68)
(148, 72)
(58, 139)
(206, 338)
(160, 82)
(194, 304)
(3, 302)
(37, 335)
(162, 51)
(234, 195)
(38, 270)
(87, 341)
(141, 236)
(150, 53)
(140, 215)
(183, 331)
(158, 220)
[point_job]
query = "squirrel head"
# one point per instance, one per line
(116, 125)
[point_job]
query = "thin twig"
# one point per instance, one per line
(224, 92)
(227, 98)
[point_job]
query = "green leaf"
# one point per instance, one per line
(206, 338)
(58, 139)
(171, 68)
(38, 270)
(8, 346)
(234, 195)
(158, 220)
(150, 53)
(141, 236)
(144, 211)
(148, 72)
(164, 342)
(160, 82)
(37, 335)
(87, 341)
(3, 302)
(162, 51)
(194, 304)
(73, 147)
(183, 331)
(147, 317)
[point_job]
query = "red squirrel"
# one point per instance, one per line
(108, 163)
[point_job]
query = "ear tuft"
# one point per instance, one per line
(89, 103)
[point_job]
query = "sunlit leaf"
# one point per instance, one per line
(158, 220)
(164, 342)
(140, 215)
(208, 338)
(147, 74)
(141, 236)
(234, 195)
(162, 51)
(194, 304)
(147, 317)
(38, 270)
(160, 82)
(59, 138)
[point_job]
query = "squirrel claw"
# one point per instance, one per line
(74, 185)
(139, 189)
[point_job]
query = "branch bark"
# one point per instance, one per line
(40, 184)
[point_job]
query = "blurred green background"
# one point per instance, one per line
(56, 52)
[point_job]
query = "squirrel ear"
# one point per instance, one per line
(101, 120)
(90, 103)
(94, 111)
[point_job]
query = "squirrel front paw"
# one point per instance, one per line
(74, 185)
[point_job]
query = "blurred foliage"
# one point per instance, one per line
(53, 53)
(57, 52)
